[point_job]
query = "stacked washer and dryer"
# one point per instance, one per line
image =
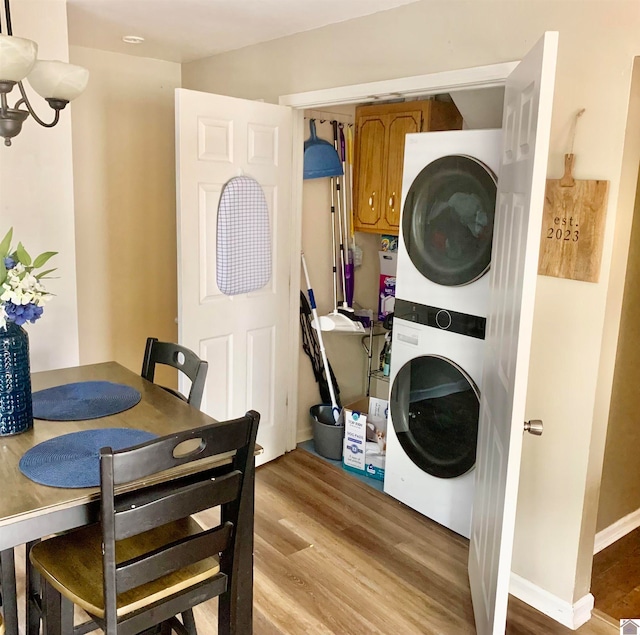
(442, 299)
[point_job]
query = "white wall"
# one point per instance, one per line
(36, 191)
(573, 345)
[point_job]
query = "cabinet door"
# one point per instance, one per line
(370, 142)
(399, 125)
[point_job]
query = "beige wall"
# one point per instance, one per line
(573, 352)
(36, 191)
(124, 168)
(620, 487)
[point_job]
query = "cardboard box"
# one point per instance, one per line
(366, 419)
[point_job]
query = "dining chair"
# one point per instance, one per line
(179, 357)
(148, 560)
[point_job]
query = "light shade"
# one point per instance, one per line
(58, 80)
(17, 57)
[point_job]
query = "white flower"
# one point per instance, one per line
(22, 287)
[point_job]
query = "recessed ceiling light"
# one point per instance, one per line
(133, 39)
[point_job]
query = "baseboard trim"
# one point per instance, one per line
(616, 531)
(570, 615)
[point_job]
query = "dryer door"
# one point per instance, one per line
(447, 220)
(435, 409)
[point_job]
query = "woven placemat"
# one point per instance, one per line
(73, 460)
(83, 400)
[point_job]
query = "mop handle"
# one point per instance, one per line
(350, 162)
(312, 301)
(334, 264)
(341, 234)
(345, 212)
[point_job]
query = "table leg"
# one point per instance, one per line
(33, 592)
(9, 595)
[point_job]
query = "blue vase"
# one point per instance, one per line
(16, 409)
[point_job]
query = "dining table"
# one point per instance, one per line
(30, 511)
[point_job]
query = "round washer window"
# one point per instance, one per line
(435, 407)
(447, 220)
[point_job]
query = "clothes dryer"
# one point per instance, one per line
(442, 298)
(446, 227)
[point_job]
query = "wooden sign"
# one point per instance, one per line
(573, 226)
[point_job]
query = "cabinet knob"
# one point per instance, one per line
(372, 199)
(392, 200)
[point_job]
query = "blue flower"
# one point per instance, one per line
(9, 262)
(21, 313)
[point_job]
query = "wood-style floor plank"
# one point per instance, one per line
(615, 579)
(334, 556)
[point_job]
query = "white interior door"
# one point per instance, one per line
(244, 338)
(521, 185)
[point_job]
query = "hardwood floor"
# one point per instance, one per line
(615, 580)
(333, 556)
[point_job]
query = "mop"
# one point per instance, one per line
(325, 362)
(343, 318)
(321, 160)
(340, 191)
(347, 253)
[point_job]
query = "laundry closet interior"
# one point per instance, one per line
(465, 110)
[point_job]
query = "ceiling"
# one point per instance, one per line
(187, 30)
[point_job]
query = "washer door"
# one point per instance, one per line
(435, 408)
(447, 220)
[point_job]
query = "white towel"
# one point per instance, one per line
(243, 250)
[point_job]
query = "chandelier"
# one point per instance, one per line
(56, 81)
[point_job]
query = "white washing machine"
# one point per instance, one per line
(434, 405)
(446, 226)
(442, 297)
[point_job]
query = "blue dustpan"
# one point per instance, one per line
(320, 157)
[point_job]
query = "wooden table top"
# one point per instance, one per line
(158, 412)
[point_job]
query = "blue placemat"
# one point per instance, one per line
(83, 400)
(73, 460)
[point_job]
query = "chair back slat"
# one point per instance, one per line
(173, 557)
(177, 504)
(180, 358)
(158, 455)
(151, 507)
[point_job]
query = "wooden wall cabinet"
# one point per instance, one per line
(379, 155)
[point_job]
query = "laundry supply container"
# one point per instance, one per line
(327, 436)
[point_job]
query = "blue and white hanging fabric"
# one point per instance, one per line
(243, 249)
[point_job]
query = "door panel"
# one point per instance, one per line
(521, 186)
(370, 143)
(244, 337)
(399, 126)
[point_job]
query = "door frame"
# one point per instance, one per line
(473, 78)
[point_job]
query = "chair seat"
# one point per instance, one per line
(72, 564)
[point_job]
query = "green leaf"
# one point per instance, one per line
(42, 258)
(23, 256)
(5, 245)
(43, 274)
(3, 271)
